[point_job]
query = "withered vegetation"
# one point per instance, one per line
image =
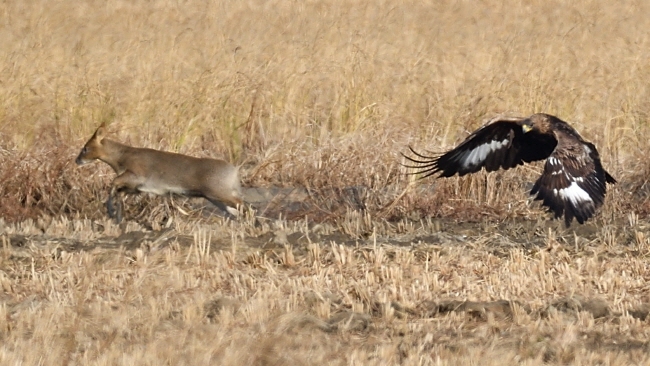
(341, 258)
(359, 291)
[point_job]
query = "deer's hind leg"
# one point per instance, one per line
(226, 198)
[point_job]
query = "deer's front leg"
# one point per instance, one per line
(114, 205)
(125, 182)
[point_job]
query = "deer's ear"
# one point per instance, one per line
(101, 132)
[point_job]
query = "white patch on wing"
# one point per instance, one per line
(573, 193)
(477, 155)
(553, 161)
(556, 167)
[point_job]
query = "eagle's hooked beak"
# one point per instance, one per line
(526, 127)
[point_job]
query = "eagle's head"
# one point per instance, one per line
(539, 123)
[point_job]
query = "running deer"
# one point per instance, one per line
(161, 172)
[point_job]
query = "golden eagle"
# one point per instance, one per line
(573, 182)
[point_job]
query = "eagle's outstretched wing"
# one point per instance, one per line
(499, 144)
(573, 182)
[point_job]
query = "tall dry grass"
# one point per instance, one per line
(312, 94)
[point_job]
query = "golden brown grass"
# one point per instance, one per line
(321, 95)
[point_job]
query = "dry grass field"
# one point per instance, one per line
(345, 260)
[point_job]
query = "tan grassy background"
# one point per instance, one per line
(316, 94)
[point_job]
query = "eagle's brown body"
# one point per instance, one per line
(573, 182)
